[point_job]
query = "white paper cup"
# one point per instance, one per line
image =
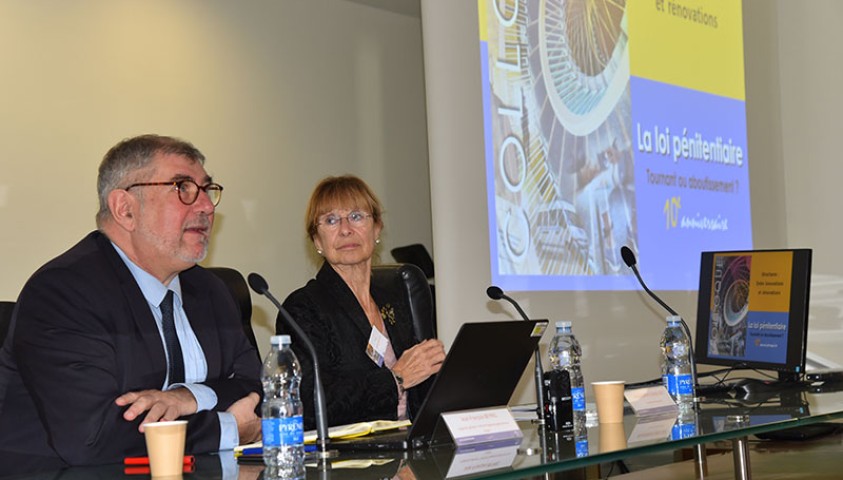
(609, 398)
(165, 447)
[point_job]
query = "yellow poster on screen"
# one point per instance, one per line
(696, 44)
(750, 306)
(770, 281)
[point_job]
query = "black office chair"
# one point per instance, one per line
(415, 254)
(412, 283)
(6, 309)
(240, 291)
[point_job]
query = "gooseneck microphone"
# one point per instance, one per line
(260, 286)
(630, 261)
(495, 293)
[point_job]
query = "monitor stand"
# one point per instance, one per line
(757, 389)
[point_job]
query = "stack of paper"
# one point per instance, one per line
(341, 432)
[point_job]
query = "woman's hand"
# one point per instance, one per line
(418, 363)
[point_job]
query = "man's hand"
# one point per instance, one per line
(160, 405)
(248, 424)
(421, 361)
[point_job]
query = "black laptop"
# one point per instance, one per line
(481, 370)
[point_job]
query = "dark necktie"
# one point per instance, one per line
(174, 356)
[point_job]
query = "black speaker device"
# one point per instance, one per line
(558, 403)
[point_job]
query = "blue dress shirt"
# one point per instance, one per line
(195, 364)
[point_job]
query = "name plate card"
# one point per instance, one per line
(484, 457)
(651, 401)
(471, 427)
(652, 428)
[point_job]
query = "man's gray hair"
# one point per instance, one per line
(132, 155)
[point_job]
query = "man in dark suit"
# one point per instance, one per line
(125, 329)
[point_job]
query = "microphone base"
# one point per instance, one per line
(322, 454)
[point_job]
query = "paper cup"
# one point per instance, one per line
(165, 447)
(612, 437)
(609, 397)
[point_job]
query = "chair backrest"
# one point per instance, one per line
(6, 309)
(412, 283)
(415, 254)
(240, 291)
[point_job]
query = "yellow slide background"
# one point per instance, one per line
(678, 51)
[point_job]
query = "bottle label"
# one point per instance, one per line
(282, 431)
(679, 385)
(684, 430)
(581, 447)
(578, 397)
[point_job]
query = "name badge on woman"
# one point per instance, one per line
(376, 349)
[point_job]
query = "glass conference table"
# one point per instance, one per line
(541, 452)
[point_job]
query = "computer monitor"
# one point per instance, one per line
(753, 310)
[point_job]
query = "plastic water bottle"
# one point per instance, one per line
(581, 440)
(565, 353)
(282, 423)
(676, 348)
(685, 425)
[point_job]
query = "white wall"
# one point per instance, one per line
(277, 94)
(810, 80)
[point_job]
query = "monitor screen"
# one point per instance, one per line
(753, 310)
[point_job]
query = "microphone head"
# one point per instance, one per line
(494, 292)
(258, 283)
(628, 256)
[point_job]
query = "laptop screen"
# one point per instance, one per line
(482, 369)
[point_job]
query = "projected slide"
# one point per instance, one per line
(610, 123)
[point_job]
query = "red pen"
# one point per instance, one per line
(144, 469)
(188, 460)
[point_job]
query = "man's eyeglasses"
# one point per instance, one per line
(332, 221)
(188, 190)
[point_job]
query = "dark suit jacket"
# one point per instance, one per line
(356, 389)
(83, 334)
